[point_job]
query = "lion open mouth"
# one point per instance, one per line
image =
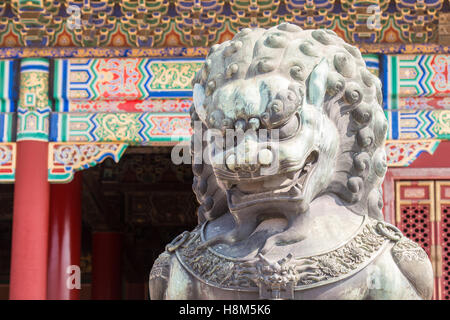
(288, 186)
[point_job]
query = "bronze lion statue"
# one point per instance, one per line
(291, 207)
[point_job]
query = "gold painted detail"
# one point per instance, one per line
(34, 91)
(118, 127)
(444, 28)
(443, 123)
(66, 158)
(401, 153)
(33, 109)
(173, 75)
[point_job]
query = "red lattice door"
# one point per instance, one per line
(416, 217)
(443, 239)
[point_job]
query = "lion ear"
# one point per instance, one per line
(317, 84)
(199, 99)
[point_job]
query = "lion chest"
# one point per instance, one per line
(361, 266)
(380, 279)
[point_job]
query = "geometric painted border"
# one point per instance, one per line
(118, 106)
(167, 128)
(169, 52)
(135, 128)
(423, 76)
(7, 92)
(123, 79)
(6, 126)
(131, 79)
(418, 124)
(66, 158)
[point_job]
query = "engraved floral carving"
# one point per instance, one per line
(303, 272)
(408, 250)
(161, 267)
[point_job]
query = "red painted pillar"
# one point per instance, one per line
(106, 266)
(28, 277)
(64, 276)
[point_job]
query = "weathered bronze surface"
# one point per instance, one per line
(292, 210)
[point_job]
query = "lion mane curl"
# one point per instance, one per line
(352, 102)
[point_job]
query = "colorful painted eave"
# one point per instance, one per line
(123, 79)
(65, 158)
(192, 52)
(416, 81)
(136, 128)
(6, 126)
(78, 81)
(419, 124)
(7, 99)
(108, 104)
(163, 23)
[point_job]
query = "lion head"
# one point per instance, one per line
(312, 121)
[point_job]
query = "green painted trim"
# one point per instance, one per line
(429, 77)
(388, 131)
(92, 82)
(394, 79)
(36, 136)
(7, 178)
(60, 178)
(56, 82)
(9, 127)
(62, 123)
(28, 60)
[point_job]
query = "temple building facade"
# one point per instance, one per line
(95, 93)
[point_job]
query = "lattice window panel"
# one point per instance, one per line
(416, 217)
(445, 245)
(443, 218)
(415, 211)
(423, 214)
(415, 224)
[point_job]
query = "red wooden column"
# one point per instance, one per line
(30, 223)
(28, 276)
(106, 266)
(64, 276)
